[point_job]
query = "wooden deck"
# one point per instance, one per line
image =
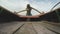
(42, 27)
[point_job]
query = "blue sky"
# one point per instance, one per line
(18, 5)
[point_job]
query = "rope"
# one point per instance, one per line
(55, 6)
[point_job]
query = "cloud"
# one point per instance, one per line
(44, 5)
(14, 5)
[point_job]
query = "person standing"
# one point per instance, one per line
(28, 9)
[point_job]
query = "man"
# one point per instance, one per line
(28, 9)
